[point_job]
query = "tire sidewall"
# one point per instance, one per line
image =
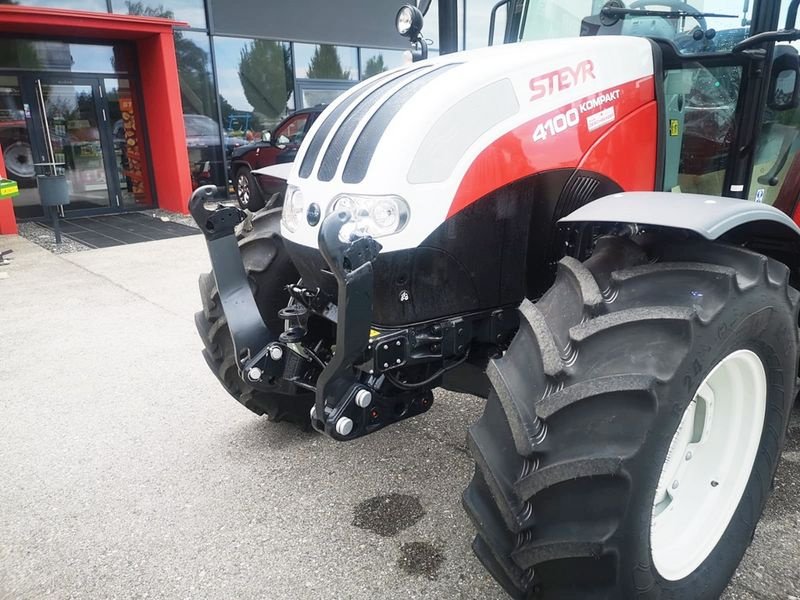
(756, 321)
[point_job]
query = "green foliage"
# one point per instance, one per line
(265, 72)
(141, 9)
(374, 66)
(325, 64)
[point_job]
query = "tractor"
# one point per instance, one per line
(592, 226)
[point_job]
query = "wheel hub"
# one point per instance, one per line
(708, 464)
(19, 160)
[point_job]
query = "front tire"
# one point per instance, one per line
(269, 270)
(586, 405)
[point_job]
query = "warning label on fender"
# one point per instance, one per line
(598, 119)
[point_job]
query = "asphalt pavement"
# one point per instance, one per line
(126, 471)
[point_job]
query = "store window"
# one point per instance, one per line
(95, 5)
(16, 145)
(374, 61)
(191, 11)
(255, 86)
(130, 162)
(324, 61)
(53, 55)
(203, 139)
(323, 72)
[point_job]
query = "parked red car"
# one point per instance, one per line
(254, 190)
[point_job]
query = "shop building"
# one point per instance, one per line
(139, 101)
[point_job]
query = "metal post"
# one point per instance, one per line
(448, 26)
(56, 223)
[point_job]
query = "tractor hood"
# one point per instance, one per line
(434, 137)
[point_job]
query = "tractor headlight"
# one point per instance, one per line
(375, 216)
(408, 21)
(293, 208)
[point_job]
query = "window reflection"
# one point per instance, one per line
(97, 5)
(374, 61)
(16, 145)
(52, 55)
(199, 108)
(191, 11)
(255, 85)
(324, 61)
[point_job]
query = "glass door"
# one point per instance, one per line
(71, 123)
(15, 141)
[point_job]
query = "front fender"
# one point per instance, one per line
(709, 216)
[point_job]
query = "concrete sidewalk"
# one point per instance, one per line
(126, 471)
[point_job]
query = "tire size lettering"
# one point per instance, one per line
(557, 124)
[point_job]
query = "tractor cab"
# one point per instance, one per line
(730, 123)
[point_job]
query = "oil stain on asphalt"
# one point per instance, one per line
(420, 558)
(389, 514)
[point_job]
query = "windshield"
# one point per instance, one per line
(701, 26)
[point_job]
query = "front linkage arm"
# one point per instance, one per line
(351, 265)
(251, 337)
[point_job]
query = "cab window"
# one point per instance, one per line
(709, 26)
(701, 118)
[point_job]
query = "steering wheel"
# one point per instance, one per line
(684, 40)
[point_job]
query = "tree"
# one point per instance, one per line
(325, 64)
(265, 72)
(374, 66)
(194, 76)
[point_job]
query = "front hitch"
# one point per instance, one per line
(351, 264)
(251, 337)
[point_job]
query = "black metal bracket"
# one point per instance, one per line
(250, 335)
(351, 265)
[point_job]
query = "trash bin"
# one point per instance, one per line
(53, 192)
(53, 189)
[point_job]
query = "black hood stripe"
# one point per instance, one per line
(310, 158)
(333, 154)
(361, 155)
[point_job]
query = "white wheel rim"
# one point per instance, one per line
(708, 465)
(19, 160)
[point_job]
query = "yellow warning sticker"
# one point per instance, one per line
(374, 333)
(674, 127)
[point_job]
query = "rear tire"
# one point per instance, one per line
(587, 399)
(269, 269)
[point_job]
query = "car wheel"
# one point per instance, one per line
(247, 193)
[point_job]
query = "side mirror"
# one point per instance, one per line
(266, 136)
(784, 83)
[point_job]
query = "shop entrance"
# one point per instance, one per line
(84, 127)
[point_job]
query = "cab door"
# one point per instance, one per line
(775, 174)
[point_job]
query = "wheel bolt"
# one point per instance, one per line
(689, 455)
(675, 484)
